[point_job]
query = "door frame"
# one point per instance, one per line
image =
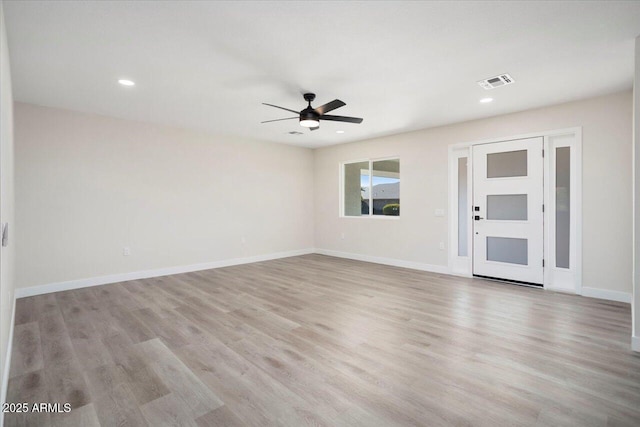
(558, 279)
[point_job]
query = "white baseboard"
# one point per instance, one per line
(606, 294)
(442, 269)
(7, 361)
(587, 292)
(136, 275)
(635, 343)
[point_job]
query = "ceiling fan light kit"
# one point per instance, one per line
(309, 123)
(310, 117)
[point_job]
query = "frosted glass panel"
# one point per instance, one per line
(507, 164)
(507, 249)
(463, 208)
(563, 207)
(507, 207)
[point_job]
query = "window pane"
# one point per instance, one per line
(507, 249)
(563, 207)
(463, 209)
(507, 206)
(507, 164)
(386, 187)
(356, 189)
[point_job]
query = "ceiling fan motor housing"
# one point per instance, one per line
(309, 114)
(309, 117)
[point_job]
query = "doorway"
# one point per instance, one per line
(507, 215)
(490, 176)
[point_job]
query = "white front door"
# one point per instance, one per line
(508, 210)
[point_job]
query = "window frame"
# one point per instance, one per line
(370, 160)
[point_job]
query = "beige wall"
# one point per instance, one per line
(6, 197)
(88, 185)
(416, 235)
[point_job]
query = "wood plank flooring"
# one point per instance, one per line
(322, 341)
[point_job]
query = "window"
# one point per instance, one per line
(356, 181)
(372, 188)
(463, 209)
(563, 206)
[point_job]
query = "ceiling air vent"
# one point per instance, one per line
(294, 132)
(497, 81)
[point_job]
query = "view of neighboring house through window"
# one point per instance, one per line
(372, 188)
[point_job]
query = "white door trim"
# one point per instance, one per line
(560, 279)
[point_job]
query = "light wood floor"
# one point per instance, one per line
(315, 340)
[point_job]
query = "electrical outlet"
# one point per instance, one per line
(126, 251)
(442, 246)
(439, 212)
(342, 236)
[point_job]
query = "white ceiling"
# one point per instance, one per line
(400, 65)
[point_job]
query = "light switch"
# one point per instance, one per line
(439, 212)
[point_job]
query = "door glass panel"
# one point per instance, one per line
(463, 209)
(507, 164)
(507, 249)
(507, 207)
(563, 207)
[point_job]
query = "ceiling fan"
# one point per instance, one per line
(310, 117)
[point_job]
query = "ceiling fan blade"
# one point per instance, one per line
(341, 119)
(315, 128)
(277, 120)
(329, 106)
(282, 108)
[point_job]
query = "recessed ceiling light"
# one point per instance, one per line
(125, 82)
(339, 131)
(486, 100)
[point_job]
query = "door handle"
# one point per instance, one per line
(477, 217)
